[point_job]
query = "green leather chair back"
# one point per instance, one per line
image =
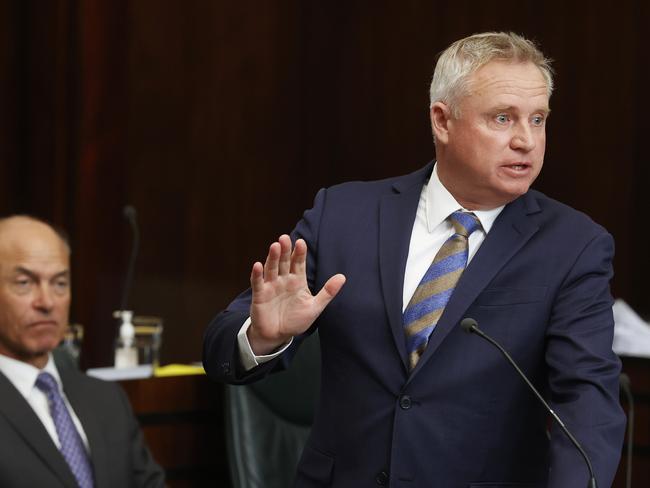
(268, 422)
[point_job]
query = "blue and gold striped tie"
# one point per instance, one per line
(432, 294)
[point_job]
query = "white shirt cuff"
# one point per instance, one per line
(248, 359)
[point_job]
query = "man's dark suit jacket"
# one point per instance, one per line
(539, 284)
(30, 459)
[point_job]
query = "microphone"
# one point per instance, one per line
(130, 215)
(625, 383)
(470, 326)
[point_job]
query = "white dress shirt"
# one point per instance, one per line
(430, 231)
(23, 376)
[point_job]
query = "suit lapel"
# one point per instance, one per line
(88, 416)
(512, 229)
(397, 213)
(21, 415)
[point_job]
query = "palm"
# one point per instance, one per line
(282, 305)
(285, 305)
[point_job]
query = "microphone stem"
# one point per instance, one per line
(625, 386)
(592, 481)
(128, 280)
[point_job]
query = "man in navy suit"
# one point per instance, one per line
(537, 280)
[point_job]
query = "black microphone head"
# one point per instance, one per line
(129, 212)
(469, 325)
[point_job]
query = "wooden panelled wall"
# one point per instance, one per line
(219, 121)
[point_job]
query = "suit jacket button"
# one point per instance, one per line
(405, 402)
(382, 478)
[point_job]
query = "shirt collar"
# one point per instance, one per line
(440, 204)
(23, 375)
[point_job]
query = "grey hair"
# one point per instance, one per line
(464, 57)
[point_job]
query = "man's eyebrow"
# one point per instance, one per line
(545, 110)
(25, 271)
(35, 276)
(510, 108)
(502, 108)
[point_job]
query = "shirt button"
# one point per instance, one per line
(382, 478)
(405, 402)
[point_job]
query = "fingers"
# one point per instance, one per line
(330, 290)
(279, 259)
(257, 277)
(272, 262)
(285, 254)
(299, 258)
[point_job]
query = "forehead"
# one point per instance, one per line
(500, 81)
(32, 245)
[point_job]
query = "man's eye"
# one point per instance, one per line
(502, 118)
(538, 120)
(21, 285)
(61, 285)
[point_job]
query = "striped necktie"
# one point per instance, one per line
(432, 294)
(72, 446)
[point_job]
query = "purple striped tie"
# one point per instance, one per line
(432, 294)
(72, 447)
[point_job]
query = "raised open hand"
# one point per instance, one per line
(282, 304)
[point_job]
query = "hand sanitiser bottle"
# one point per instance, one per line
(126, 354)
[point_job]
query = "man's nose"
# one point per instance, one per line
(523, 139)
(44, 299)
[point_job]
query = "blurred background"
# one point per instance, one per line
(219, 120)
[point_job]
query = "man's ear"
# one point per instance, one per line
(440, 115)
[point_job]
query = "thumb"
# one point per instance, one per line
(329, 291)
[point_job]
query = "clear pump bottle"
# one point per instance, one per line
(126, 353)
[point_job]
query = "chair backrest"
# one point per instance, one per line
(64, 358)
(267, 423)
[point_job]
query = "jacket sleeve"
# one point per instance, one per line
(584, 372)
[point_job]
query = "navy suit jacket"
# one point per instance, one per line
(539, 284)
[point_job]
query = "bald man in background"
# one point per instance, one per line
(58, 427)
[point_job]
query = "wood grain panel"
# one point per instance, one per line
(219, 122)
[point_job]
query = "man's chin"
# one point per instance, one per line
(513, 192)
(35, 356)
(494, 200)
(43, 347)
